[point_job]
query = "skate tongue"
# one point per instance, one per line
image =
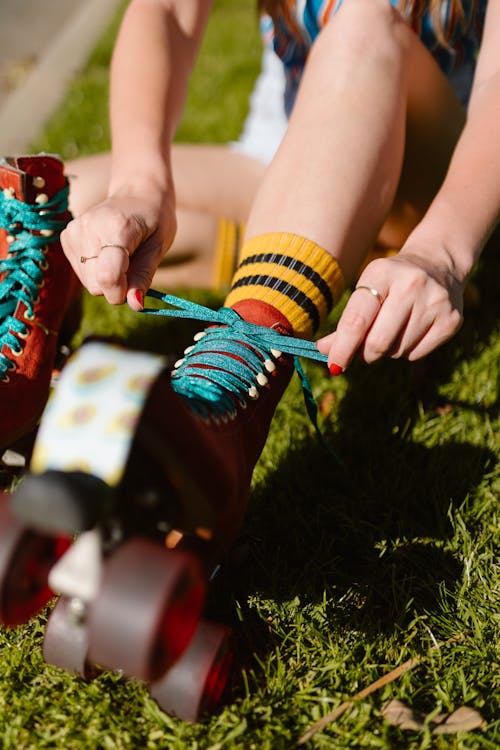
(45, 168)
(263, 314)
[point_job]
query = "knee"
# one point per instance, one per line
(365, 32)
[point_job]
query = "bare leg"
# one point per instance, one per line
(211, 182)
(215, 179)
(394, 123)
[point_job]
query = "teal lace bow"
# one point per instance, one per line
(228, 362)
(21, 272)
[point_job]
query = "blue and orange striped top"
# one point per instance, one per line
(292, 43)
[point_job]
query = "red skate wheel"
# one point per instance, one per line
(26, 558)
(146, 610)
(65, 643)
(195, 684)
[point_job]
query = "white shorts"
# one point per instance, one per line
(266, 122)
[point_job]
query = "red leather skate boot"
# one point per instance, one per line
(38, 288)
(214, 415)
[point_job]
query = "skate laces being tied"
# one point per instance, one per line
(228, 362)
(21, 272)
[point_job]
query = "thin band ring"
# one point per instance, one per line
(373, 291)
(115, 244)
(85, 258)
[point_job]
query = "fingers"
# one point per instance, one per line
(142, 269)
(102, 245)
(98, 245)
(403, 311)
(110, 272)
(436, 335)
(101, 266)
(356, 321)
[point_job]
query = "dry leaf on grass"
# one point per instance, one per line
(386, 679)
(464, 719)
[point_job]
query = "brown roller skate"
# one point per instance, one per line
(152, 470)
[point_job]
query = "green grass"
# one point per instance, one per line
(357, 561)
(217, 100)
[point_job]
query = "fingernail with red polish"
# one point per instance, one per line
(335, 369)
(139, 295)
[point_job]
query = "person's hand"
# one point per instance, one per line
(115, 247)
(404, 306)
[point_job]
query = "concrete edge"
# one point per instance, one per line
(27, 109)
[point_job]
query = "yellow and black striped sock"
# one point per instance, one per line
(293, 274)
(227, 247)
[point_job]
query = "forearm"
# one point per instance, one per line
(466, 209)
(154, 55)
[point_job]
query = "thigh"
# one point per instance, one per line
(214, 179)
(435, 118)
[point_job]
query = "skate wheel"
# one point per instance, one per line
(146, 610)
(196, 682)
(26, 558)
(65, 644)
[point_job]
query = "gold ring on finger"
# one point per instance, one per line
(115, 244)
(373, 291)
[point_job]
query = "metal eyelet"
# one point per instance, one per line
(253, 393)
(16, 352)
(43, 265)
(28, 316)
(4, 378)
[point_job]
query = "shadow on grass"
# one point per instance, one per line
(374, 534)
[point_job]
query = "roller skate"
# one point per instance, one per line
(39, 293)
(150, 469)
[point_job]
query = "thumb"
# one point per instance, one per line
(143, 264)
(139, 278)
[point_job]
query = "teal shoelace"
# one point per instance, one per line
(228, 362)
(21, 272)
